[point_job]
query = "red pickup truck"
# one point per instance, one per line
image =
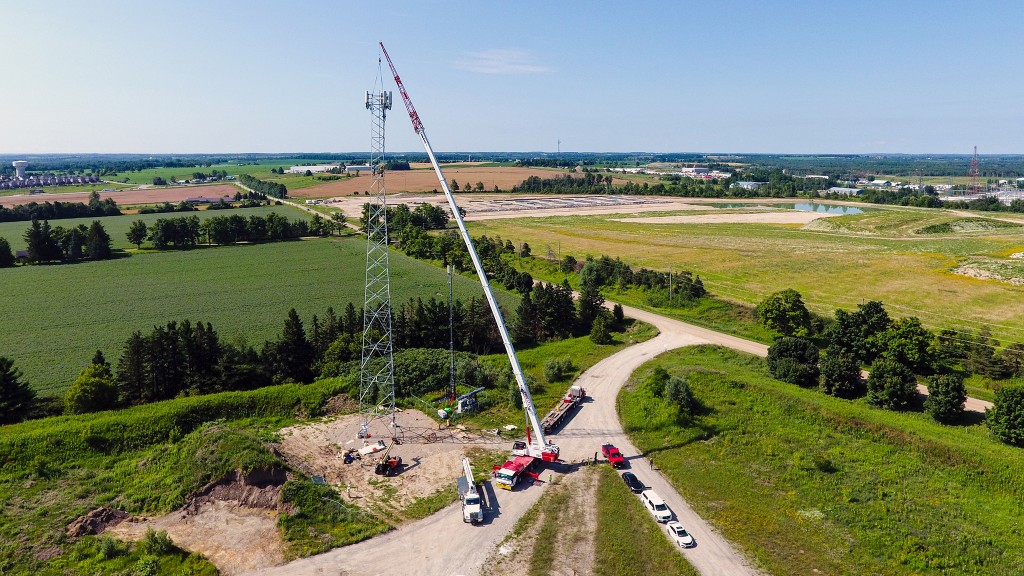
(612, 454)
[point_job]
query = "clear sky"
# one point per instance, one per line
(670, 76)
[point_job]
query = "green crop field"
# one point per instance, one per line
(117, 226)
(55, 317)
(259, 170)
(899, 256)
(806, 483)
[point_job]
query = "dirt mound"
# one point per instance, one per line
(260, 488)
(96, 522)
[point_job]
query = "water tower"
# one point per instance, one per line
(19, 168)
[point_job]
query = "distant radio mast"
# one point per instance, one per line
(974, 172)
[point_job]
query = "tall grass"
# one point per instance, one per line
(808, 482)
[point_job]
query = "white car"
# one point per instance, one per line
(679, 535)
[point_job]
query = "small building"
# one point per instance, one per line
(750, 185)
(844, 191)
(355, 169)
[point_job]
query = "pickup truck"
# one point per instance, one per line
(612, 454)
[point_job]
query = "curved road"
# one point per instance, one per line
(443, 545)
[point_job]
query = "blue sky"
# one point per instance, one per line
(741, 76)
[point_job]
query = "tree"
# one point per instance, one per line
(891, 385)
(6, 256)
(16, 396)
(525, 250)
(678, 393)
(840, 374)
(1006, 417)
(794, 360)
(599, 333)
(657, 381)
(293, 357)
(981, 354)
(92, 391)
(41, 245)
(785, 313)
(908, 343)
(308, 173)
(339, 220)
(159, 181)
(946, 397)
(525, 326)
(455, 186)
(98, 242)
(588, 306)
(137, 233)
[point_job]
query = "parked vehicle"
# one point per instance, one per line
(656, 506)
(512, 471)
(612, 454)
(566, 406)
(679, 535)
(472, 511)
(634, 483)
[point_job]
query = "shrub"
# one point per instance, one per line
(1006, 417)
(600, 333)
(891, 385)
(679, 394)
(794, 360)
(556, 370)
(840, 374)
(156, 543)
(946, 397)
(657, 381)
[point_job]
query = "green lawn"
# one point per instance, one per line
(259, 170)
(834, 262)
(806, 483)
(63, 313)
(117, 226)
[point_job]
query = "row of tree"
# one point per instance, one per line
(46, 244)
(60, 210)
(897, 353)
(189, 231)
(274, 189)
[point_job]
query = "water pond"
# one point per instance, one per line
(802, 206)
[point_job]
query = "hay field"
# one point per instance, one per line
(425, 180)
(887, 254)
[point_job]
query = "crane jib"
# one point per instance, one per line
(542, 448)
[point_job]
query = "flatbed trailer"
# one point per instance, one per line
(565, 408)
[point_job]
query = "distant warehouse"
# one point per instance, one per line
(313, 169)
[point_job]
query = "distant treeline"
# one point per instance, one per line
(60, 210)
(46, 244)
(275, 189)
(187, 231)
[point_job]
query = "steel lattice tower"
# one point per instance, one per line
(377, 368)
(974, 173)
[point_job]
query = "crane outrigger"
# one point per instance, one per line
(537, 446)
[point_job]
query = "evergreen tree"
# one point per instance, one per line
(74, 247)
(293, 354)
(98, 242)
(524, 328)
(679, 394)
(1005, 419)
(589, 306)
(599, 332)
(132, 370)
(6, 255)
(16, 396)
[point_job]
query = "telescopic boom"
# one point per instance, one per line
(539, 447)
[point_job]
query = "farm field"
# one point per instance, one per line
(904, 257)
(117, 226)
(807, 483)
(84, 189)
(60, 315)
(425, 180)
(132, 196)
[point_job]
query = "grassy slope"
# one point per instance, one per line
(876, 255)
(807, 482)
(117, 226)
(64, 313)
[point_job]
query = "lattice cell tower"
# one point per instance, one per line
(974, 173)
(377, 368)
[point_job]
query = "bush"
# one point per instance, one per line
(600, 333)
(679, 394)
(840, 374)
(794, 360)
(556, 370)
(156, 543)
(946, 397)
(891, 385)
(657, 381)
(1006, 417)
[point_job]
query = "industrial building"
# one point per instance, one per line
(312, 169)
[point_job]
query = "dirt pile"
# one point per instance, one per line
(96, 522)
(260, 488)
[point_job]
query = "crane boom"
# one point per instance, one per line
(540, 447)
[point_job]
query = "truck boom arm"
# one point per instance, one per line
(531, 414)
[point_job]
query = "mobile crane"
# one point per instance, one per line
(538, 446)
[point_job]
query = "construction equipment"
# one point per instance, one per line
(472, 511)
(387, 465)
(539, 447)
(560, 413)
(512, 471)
